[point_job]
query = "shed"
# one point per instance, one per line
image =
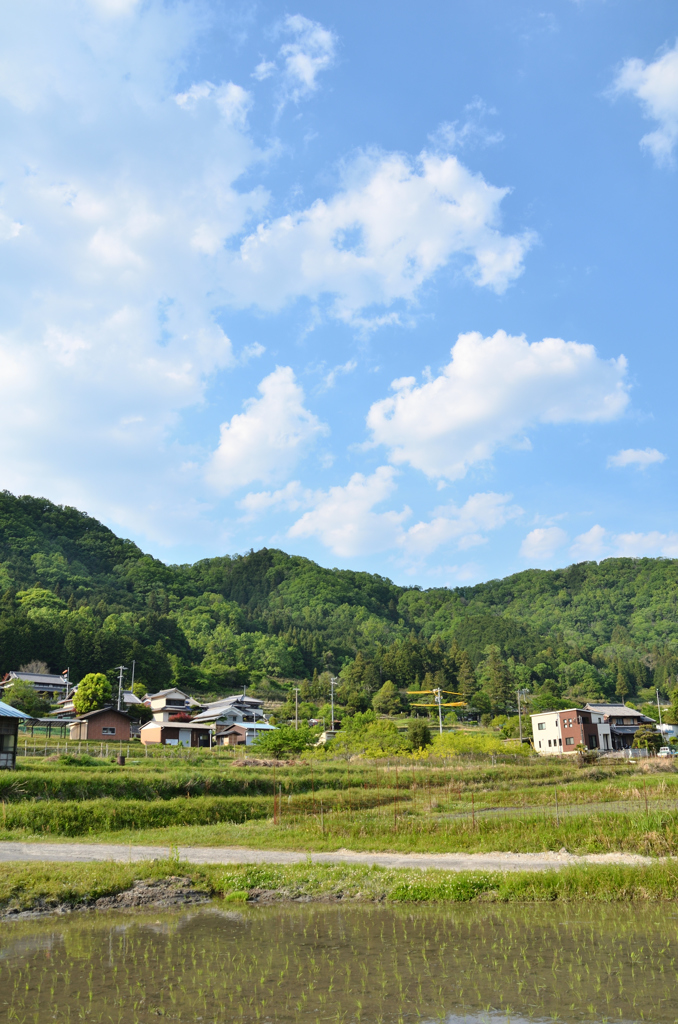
(104, 724)
(9, 730)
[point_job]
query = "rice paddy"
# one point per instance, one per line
(457, 804)
(313, 963)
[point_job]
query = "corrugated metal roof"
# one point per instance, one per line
(7, 712)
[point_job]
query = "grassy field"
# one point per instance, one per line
(458, 804)
(26, 887)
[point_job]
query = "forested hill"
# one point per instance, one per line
(74, 594)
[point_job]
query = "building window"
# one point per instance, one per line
(549, 743)
(540, 743)
(108, 730)
(541, 725)
(560, 743)
(569, 741)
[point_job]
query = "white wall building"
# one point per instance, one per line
(561, 732)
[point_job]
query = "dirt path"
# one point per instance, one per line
(10, 851)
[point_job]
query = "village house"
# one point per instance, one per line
(561, 732)
(623, 722)
(172, 724)
(9, 730)
(105, 724)
(233, 718)
(66, 708)
(52, 687)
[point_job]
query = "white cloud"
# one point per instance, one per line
(330, 379)
(466, 525)
(472, 131)
(378, 240)
(344, 520)
(492, 391)
(264, 70)
(656, 86)
(598, 543)
(267, 440)
(231, 100)
(114, 194)
(311, 51)
(541, 544)
(640, 457)
(647, 545)
(591, 545)
(290, 497)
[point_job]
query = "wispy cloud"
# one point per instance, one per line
(639, 457)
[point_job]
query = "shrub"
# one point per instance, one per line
(465, 743)
(648, 736)
(418, 734)
(285, 739)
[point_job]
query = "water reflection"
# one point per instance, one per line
(344, 963)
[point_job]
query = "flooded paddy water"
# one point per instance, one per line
(346, 963)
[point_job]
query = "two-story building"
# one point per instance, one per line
(561, 732)
(236, 719)
(623, 722)
(172, 723)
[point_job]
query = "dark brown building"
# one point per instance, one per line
(105, 724)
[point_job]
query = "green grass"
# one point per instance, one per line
(219, 821)
(44, 886)
(468, 805)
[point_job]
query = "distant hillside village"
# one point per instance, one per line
(173, 718)
(592, 647)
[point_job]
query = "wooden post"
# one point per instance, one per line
(322, 819)
(275, 817)
(473, 809)
(647, 810)
(557, 816)
(312, 787)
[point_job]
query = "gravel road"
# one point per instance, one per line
(74, 852)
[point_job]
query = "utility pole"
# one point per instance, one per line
(439, 696)
(520, 719)
(131, 685)
(661, 729)
(296, 708)
(67, 682)
(333, 683)
(122, 668)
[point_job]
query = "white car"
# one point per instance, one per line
(666, 752)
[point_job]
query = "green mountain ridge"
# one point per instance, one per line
(74, 594)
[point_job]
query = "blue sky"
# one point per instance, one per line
(388, 286)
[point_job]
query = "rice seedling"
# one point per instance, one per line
(311, 963)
